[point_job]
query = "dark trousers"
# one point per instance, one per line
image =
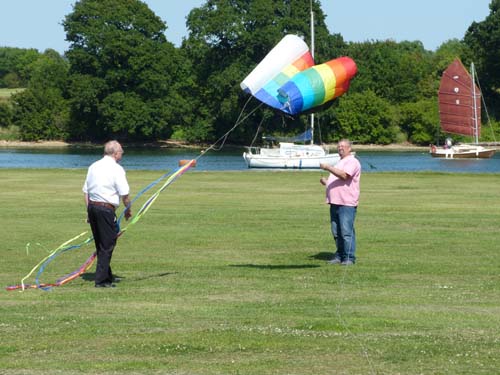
(104, 229)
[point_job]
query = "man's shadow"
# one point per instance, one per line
(275, 266)
(322, 256)
(90, 276)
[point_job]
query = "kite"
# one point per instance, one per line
(288, 80)
(66, 246)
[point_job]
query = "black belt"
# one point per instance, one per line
(103, 204)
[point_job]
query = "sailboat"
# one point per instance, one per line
(269, 83)
(290, 155)
(460, 113)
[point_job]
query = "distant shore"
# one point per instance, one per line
(43, 144)
(62, 144)
(176, 144)
(390, 147)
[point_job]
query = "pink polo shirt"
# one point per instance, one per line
(344, 192)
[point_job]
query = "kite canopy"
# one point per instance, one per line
(287, 79)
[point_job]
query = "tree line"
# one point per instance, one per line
(121, 78)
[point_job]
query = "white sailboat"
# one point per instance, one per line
(460, 113)
(290, 154)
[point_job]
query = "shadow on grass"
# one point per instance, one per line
(275, 267)
(322, 256)
(146, 277)
(90, 276)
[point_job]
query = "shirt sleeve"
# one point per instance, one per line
(85, 188)
(351, 167)
(122, 183)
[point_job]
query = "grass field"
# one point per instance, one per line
(5, 94)
(226, 274)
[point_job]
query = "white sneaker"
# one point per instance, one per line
(335, 261)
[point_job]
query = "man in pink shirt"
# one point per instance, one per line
(342, 194)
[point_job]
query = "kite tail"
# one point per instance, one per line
(73, 275)
(88, 263)
(145, 207)
(45, 260)
(51, 258)
(62, 280)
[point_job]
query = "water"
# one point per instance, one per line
(230, 160)
(134, 158)
(413, 161)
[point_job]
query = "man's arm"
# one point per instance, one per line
(86, 199)
(335, 171)
(126, 203)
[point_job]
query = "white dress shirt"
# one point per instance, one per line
(106, 181)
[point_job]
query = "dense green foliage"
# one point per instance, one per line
(5, 114)
(14, 66)
(484, 38)
(124, 80)
(41, 111)
(231, 278)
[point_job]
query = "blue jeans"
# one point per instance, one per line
(342, 220)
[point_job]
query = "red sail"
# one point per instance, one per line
(456, 101)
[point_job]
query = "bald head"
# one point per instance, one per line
(113, 149)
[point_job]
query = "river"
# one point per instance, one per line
(230, 160)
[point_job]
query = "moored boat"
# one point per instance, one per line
(460, 113)
(289, 155)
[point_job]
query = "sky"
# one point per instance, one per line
(37, 23)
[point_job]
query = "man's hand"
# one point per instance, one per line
(128, 208)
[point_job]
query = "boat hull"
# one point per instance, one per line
(288, 162)
(462, 152)
(289, 156)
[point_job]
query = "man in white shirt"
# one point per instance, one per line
(105, 184)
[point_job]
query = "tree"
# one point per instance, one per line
(14, 66)
(449, 51)
(484, 38)
(392, 70)
(364, 118)
(41, 111)
(420, 121)
(127, 80)
(5, 115)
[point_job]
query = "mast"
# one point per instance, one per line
(312, 54)
(476, 125)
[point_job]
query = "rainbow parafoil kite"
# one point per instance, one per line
(287, 79)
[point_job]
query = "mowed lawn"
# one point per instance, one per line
(5, 94)
(227, 274)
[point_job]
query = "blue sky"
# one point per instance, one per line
(37, 23)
